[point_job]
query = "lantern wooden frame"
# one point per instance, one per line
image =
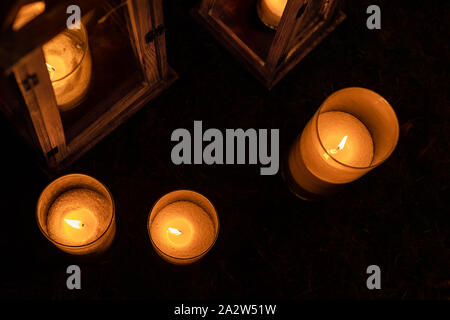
(270, 54)
(26, 93)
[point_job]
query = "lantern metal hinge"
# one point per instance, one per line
(30, 81)
(52, 152)
(152, 34)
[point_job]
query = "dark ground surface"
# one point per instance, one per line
(271, 244)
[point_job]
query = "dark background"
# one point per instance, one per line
(271, 244)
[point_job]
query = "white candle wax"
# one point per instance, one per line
(27, 13)
(78, 217)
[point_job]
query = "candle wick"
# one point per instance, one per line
(50, 67)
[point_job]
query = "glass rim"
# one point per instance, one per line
(386, 103)
(215, 236)
(85, 51)
(93, 241)
(260, 15)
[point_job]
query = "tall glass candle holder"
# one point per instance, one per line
(353, 132)
(76, 213)
(183, 226)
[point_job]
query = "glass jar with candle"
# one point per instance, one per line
(271, 11)
(76, 213)
(353, 132)
(69, 64)
(183, 226)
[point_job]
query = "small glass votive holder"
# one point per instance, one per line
(183, 226)
(77, 214)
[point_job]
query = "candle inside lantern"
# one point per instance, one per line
(69, 64)
(271, 11)
(76, 213)
(67, 58)
(183, 226)
(354, 131)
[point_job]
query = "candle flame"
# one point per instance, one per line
(174, 231)
(340, 146)
(74, 223)
(51, 69)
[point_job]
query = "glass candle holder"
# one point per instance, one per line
(76, 213)
(271, 11)
(183, 226)
(69, 64)
(353, 132)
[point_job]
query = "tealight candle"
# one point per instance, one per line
(271, 11)
(183, 226)
(354, 131)
(76, 213)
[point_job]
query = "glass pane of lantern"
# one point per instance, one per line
(94, 67)
(241, 18)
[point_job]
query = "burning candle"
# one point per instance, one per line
(67, 57)
(183, 226)
(271, 11)
(354, 131)
(346, 138)
(76, 213)
(69, 64)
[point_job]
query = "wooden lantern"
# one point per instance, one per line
(122, 66)
(270, 54)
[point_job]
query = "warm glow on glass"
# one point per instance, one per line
(27, 13)
(271, 11)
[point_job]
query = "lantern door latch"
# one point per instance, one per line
(30, 81)
(152, 34)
